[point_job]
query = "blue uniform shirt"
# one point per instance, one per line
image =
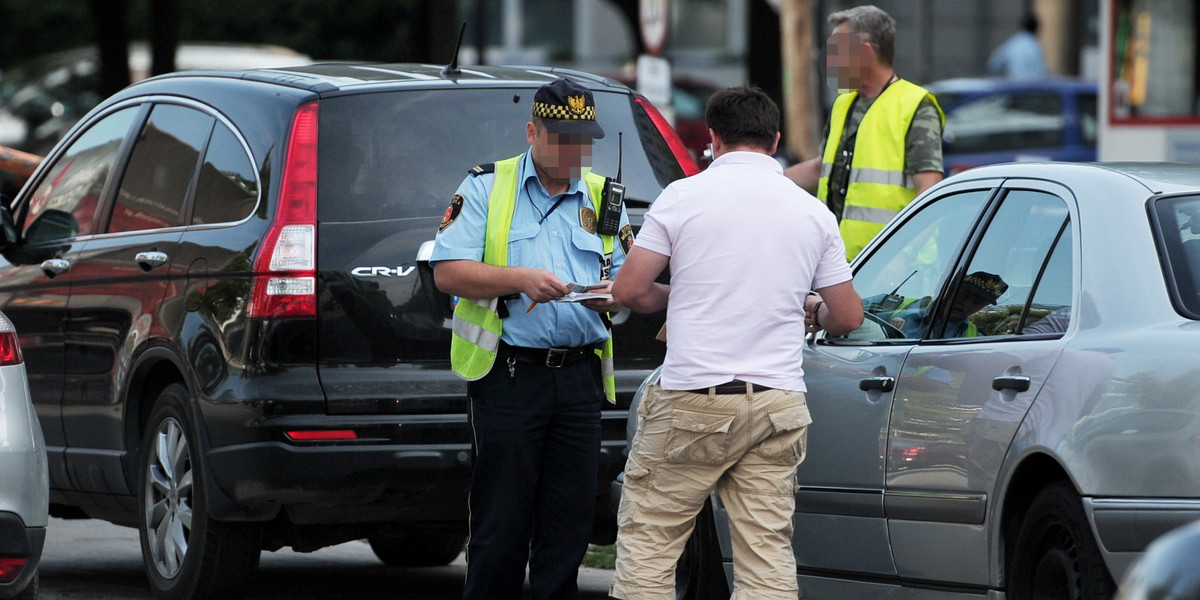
(559, 244)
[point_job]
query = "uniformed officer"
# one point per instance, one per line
(516, 234)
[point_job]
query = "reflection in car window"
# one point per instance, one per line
(1010, 121)
(1050, 311)
(76, 181)
(228, 188)
(907, 271)
(160, 169)
(1013, 250)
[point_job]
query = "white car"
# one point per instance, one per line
(25, 492)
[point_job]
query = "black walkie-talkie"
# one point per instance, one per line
(612, 198)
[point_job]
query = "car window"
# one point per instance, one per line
(1050, 311)
(402, 154)
(1008, 121)
(903, 275)
(161, 169)
(74, 184)
(227, 190)
(999, 279)
(1177, 227)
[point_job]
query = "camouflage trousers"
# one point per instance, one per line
(747, 446)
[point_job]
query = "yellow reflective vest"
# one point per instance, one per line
(477, 324)
(878, 188)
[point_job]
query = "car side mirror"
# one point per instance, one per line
(8, 229)
(52, 224)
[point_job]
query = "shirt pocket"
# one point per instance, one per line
(521, 246)
(698, 437)
(789, 435)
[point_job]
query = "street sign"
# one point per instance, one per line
(654, 16)
(654, 82)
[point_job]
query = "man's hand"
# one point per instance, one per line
(599, 305)
(541, 285)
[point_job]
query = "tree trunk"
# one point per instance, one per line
(164, 35)
(112, 44)
(801, 111)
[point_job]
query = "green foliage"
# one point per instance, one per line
(600, 557)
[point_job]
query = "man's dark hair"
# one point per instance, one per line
(743, 116)
(1029, 23)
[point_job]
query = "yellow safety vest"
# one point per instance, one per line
(878, 187)
(972, 329)
(477, 324)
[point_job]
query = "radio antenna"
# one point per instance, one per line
(620, 151)
(452, 68)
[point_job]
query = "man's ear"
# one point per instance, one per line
(530, 132)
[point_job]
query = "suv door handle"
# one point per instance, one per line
(883, 384)
(149, 260)
(1019, 383)
(55, 266)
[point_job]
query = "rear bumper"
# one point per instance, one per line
(380, 478)
(17, 540)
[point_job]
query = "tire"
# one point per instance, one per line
(417, 549)
(1056, 556)
(187, 559)
(700, 573)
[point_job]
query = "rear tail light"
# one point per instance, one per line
(10, 347)
(677, 148)
(10, 568)
(285, 271)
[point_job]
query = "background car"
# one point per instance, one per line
(233, 336)
(24, 494)
(689, 95)
(41, 99)
(1002, 120)
(1034, 455)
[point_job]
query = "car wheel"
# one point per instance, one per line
(1056, 556)
(417, 549)
(187, 554)
(700, 574)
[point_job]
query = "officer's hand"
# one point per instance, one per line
(543, 286)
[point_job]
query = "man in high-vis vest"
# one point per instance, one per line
(883, 143)
(520, 239)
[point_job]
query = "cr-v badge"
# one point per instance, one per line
(381, 271)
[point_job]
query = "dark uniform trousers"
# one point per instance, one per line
(533, 488)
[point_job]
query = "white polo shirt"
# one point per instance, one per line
(746, 245)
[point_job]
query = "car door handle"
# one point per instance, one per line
(1019, 383)
(883, 384)
(149, 260)
(55, 266)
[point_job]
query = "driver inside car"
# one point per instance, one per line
(913, 316)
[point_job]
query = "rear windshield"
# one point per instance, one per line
(392, 155)
(1178, 223)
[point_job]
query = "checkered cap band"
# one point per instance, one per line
(563, 112)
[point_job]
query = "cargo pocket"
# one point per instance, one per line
(698, 437)
(786, 445)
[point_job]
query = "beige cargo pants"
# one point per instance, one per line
(748, 446)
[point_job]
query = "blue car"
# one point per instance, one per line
(997, 120)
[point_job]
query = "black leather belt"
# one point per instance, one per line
(731, 387)
(549, 357)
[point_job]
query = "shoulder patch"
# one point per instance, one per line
(626, 237)
(478, 170)
(452, 212)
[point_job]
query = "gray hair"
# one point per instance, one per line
(871, 21)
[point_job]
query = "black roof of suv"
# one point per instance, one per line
(230, 265)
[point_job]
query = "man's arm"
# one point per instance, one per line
(837, 309)
(806, 174)
(635, 286)
(925, 180)
(473, 279)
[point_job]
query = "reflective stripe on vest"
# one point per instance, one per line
(477, 325)
(878, 188)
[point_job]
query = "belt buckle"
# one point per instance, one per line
(556, 357)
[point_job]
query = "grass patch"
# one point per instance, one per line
(600, 557)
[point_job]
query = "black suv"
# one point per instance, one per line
(232, 336)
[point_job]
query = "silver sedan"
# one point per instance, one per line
(1019, 416)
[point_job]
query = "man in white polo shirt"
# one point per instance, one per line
(746, 246)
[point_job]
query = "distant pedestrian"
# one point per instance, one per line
(1020, 56)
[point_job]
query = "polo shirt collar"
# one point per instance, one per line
(746, 157)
